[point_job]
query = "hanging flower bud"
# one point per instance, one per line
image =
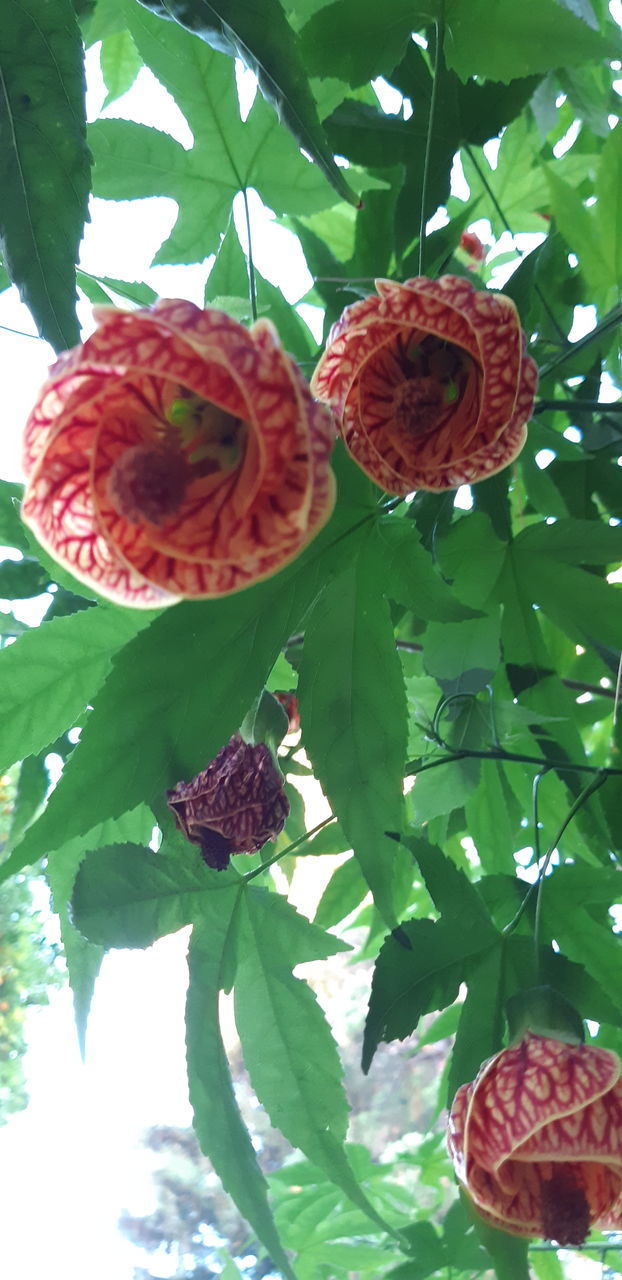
(235, 805)
(536, 1139)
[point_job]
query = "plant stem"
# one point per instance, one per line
(610, 322)
(415, 766)
(440, 34)
(581, 406)
(588, 790)
(592, 786)
(276, 857)
(252, 284)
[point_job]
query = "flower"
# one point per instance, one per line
(234, 805)
(176, 454)
(472, 245)
(289, 703)
(430, 383)
(536, 1139)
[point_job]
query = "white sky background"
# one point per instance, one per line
(68, 1165)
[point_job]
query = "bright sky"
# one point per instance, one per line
(68, 1165)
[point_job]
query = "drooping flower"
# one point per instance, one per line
(536, 1139)
(235, 805)
(430, 383)
(176, 454)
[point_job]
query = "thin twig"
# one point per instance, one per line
(581, 406)
(440, 33)
(510, 757)
(276, 857)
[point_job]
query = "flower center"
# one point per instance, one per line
(148, 482)
(417, 405)
(565, 1211)
(213, 439)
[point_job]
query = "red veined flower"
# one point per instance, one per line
(176, 454)
(430, 383)
(536, 1139)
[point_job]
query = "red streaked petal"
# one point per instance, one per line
(527, 1086)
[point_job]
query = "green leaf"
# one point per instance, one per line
(50, 674)
(299, 1079)
(463, 656)
(472, 557)
(420, 974)
(120, 63)
(84, 959)
(345, 890)
(128, 896)
(579, 227)
(493, 816)
(586, 607)
(229, 276)
(22, 579)
(508, 1253)
(409, 574)
(12, 531)
(509, 40)
(575, 541)
(353, 710)
(217, 1121)
(266, 43)
(44, 161)
(450, 889)
(355, 40)
(133, 161)
(568, 915)
(171, 718)
(481, 1025)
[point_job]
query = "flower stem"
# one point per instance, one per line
(276, 857)
(440, 35)
(592, 786)
(252, 283)
(589, 789)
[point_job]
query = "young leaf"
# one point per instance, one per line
(266, 43)
(44, 161)
(217, 1120)
(353, 711)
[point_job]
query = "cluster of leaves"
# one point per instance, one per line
(471, 645)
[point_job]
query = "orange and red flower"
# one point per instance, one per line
(176, 454)
(430, 383)
(235, 805)
(536, 1139)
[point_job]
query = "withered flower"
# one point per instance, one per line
(235, 805)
